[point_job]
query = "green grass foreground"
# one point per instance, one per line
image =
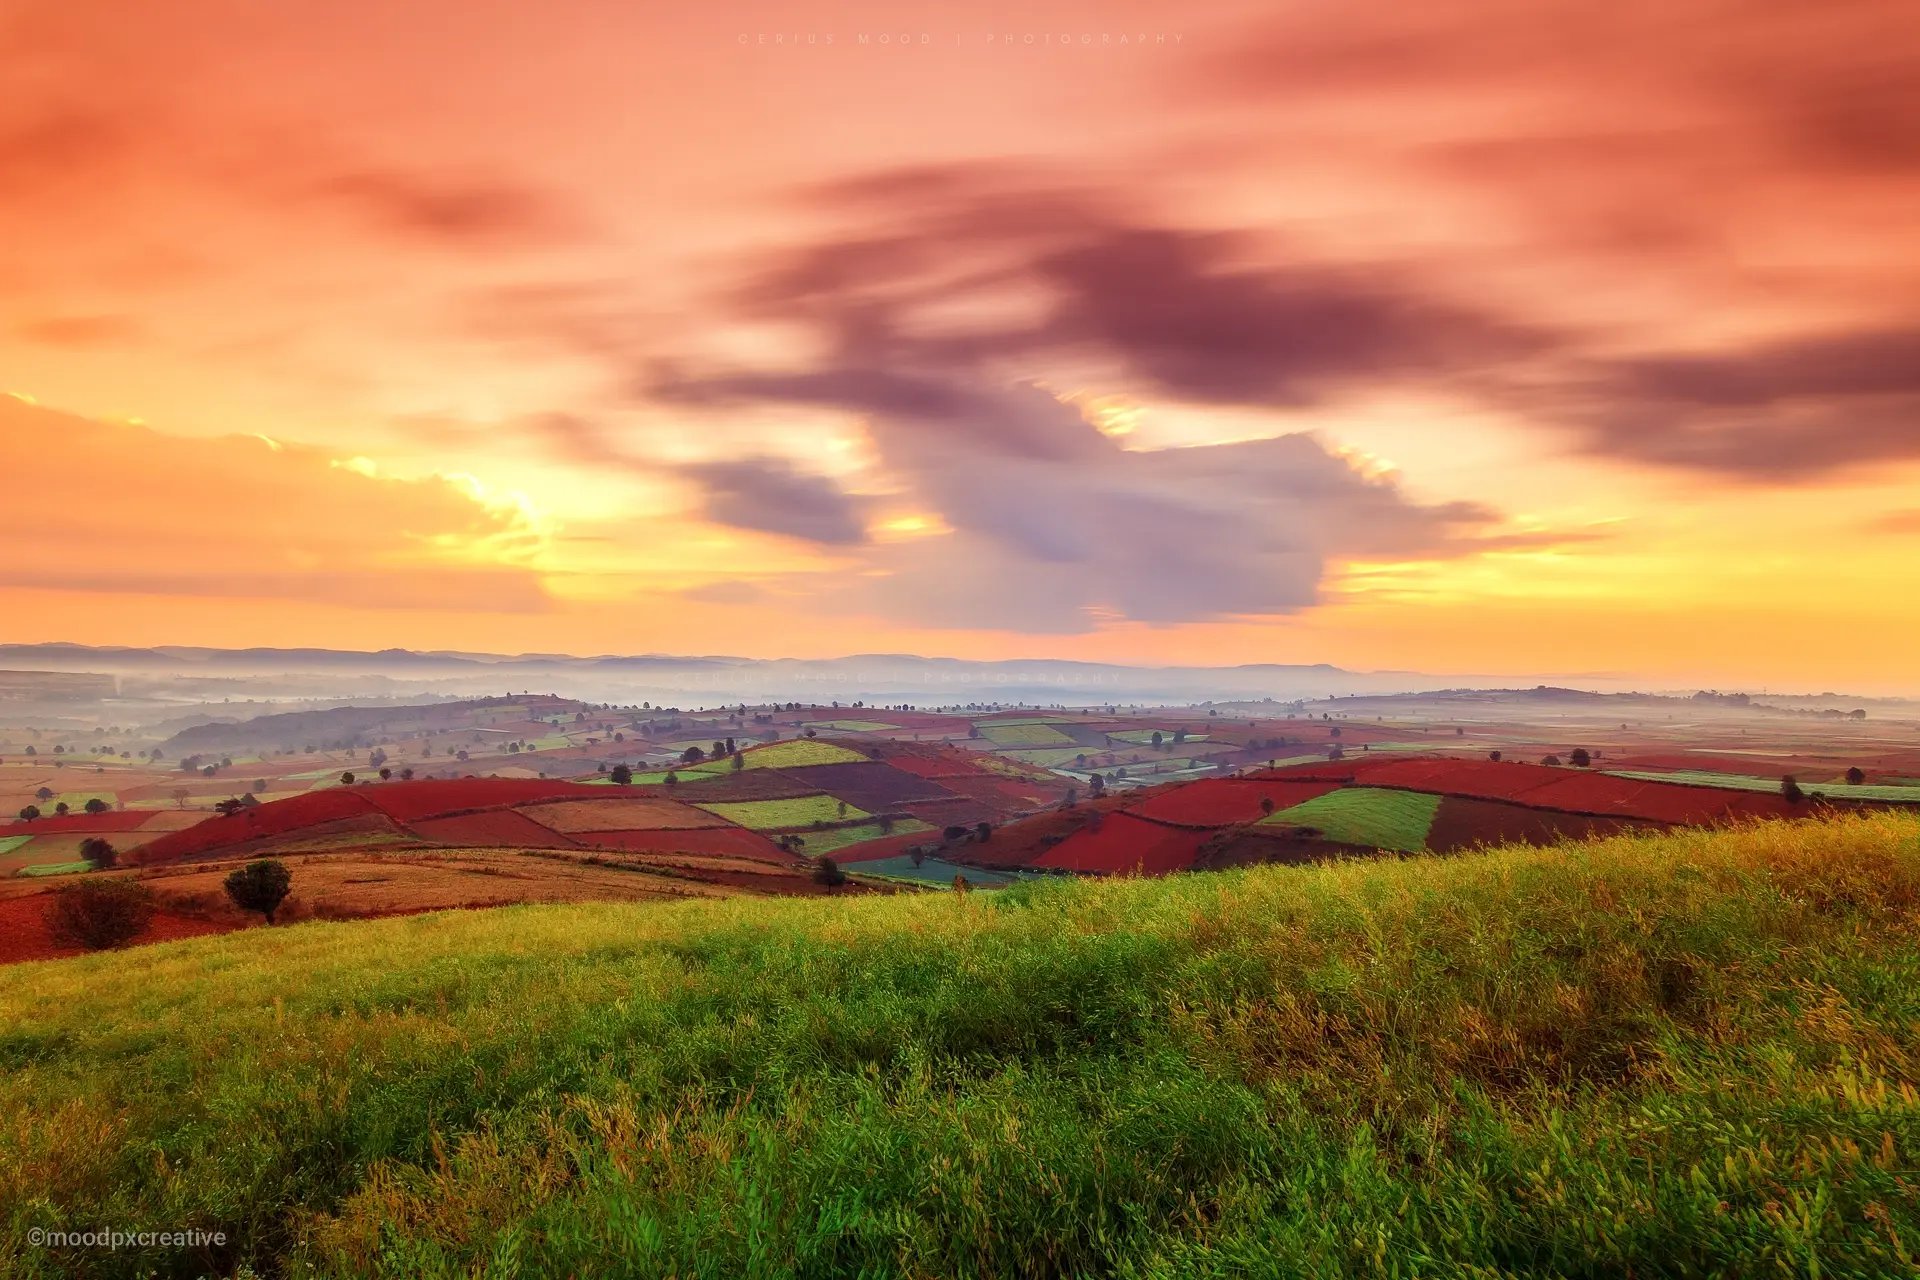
(1679, 1056)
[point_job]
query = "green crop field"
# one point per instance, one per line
(1745, 782)
(857, 726)
(1144, 737)
(56, 868)
(77, 800)
(1367, 815)
(796, 753)
(1687, 1055)
(9, 843)
(819, 842)
(1023, 735)
(769, 815)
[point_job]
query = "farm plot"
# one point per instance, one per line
(775, 815)
(490, 829)
(871, 784)
(284, 817)
(410, 801)
(933, 871)
(1123, 845)
(621, 813)
(708, 842)
(1367, 816)
(1743, 782)
(1024, 735)
(837, 838)
(1144, 737)
(798, 753)
(1222, 802)
(1462, 823)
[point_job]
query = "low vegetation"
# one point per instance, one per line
(1689, 1054)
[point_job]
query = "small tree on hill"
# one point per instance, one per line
(386, 773)
(229, 807)
(346, 779)
(100, 853)
(983, 831)
(95, 805)
(30, 813)
(621, 776)
(1494, 756)
(1580, 759)
(260, 886)
(1790, 790)
(98, 914)
(43, 795)
(1552, 761)
(827, 873)
(673, 779)
(1266, 806)
(1856, 776)
(61, 810)
(739, 762)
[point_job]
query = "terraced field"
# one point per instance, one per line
(776, 815)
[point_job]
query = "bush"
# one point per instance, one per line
(260, 886)
(1790, 789)
(1552, 761)
(100, 853)
(98, 914)
(1856, 776)
(1580, 759)
(620, 776)
(95, 805)
(827, 872)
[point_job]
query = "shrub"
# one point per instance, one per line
(260, 886)
(1580, 759)
(1552, 761)
(346, 779)
(1790, 789)
(620, 776)
(98, 914)
(1494, 756)
(100, 853)
(95, 805)
(30, 813)
(1856, 776)
(827, 872)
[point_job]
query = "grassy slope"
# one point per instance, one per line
(1367, 816)
(1683, 1055)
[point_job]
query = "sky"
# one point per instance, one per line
(1492, 336)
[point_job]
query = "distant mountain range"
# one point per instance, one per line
(876, 678)
(708, 679)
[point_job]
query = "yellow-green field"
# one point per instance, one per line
(1685, 1055)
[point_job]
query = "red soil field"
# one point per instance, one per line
(1123, 846)
(408, 801)
(23, 929)
(734, 784)
(1462, 823)
(492, 828)
(279, 817)
(1224, 802)
(1751, 766)
(735, 841)
(1003, 793)
(80, 823)
(932, 766)
(621, 812)
(874, 785)
(1662, 801)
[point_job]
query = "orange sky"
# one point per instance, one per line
(1478, 336)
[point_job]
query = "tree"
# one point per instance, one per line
(98, 914)
(1580, 759)
(44, 794)
(61, 810)
(1855, 776)
(100, 853)
(739, 762)
(346, 779)
(1266, 806)
(229, 807)
(259, 785)
(954, 832)
(30, 813)
(1495, 756)
(406, 774)
(260, 886)
(250, 800)
(95, 804)
(1156, 739)
(841, 811)
(673, 779)
(621, 776)
(692, 755)
(1790, 790)
(180, 797)
(827, 873)
(982, 831)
